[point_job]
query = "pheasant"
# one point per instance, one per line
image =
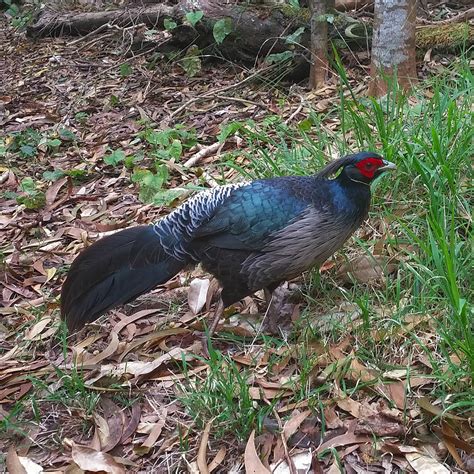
(250, 236)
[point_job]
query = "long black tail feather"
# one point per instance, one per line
(113, 271)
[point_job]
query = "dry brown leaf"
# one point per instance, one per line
(379, 425)
(53, 190)
(197, 295)
(367, 269)
(132, 423)
(152, 438)
(424, 403)
(142, 368)
(37, 329)
(13, 462)
(351, 406)
(107, 352)
(449, 433)
(359, 371)
(132, 318)
(259, 393)
(397, 394)
(253, 465)
(96, 461)
(398, 448)
(294, 423)
(331, 419)
(344, 440)
(115, 421)
(101, 434)
(202, 453)
(424, 464)
(218, 458)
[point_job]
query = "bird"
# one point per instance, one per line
(250, 236)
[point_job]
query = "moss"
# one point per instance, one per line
(445, 36)
(301, 15)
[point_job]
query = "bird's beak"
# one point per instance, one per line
(387, 166)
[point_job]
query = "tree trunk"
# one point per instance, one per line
(393, 45)
(319, 43)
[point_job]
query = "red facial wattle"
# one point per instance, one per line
(369, 166)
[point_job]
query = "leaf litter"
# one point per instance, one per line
(111, 400)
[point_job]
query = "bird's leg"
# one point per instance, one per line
(212, 328)
(217, 316)
(268, 296)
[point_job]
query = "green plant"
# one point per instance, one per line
(125, 70)
(152, 186)
(32, 197)
(194, 17)
(164, 146)
(222, 28)
(70, 390)
(191, 62)
(223, 396)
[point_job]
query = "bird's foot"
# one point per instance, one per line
(281, 311)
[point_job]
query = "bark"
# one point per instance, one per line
(393, 45)
(319, 43)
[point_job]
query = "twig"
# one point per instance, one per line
(283, 440)
(296, 112)
(214, 92)
(209, 180)
(105, 26)
(203, 153)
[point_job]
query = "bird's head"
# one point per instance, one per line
(367, 166)
(362, 167)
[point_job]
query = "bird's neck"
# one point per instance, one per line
(358, 192)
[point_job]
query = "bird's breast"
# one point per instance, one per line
(303, 244)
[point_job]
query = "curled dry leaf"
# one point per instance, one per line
(13, 462)
(202, 453)
(152, 438)
(351, 406)
(95, 461)
(218, 458)
(253, 465)
(107, 352)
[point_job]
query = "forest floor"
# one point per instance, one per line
(374, 373)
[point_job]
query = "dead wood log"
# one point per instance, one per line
(257, 30)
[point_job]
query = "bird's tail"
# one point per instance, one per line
(113, 271)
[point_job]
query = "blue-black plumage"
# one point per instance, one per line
(249, 236)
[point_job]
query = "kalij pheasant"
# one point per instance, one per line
(249, 236)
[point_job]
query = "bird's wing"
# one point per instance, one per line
(247, 218)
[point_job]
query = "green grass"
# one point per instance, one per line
(222, 395)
